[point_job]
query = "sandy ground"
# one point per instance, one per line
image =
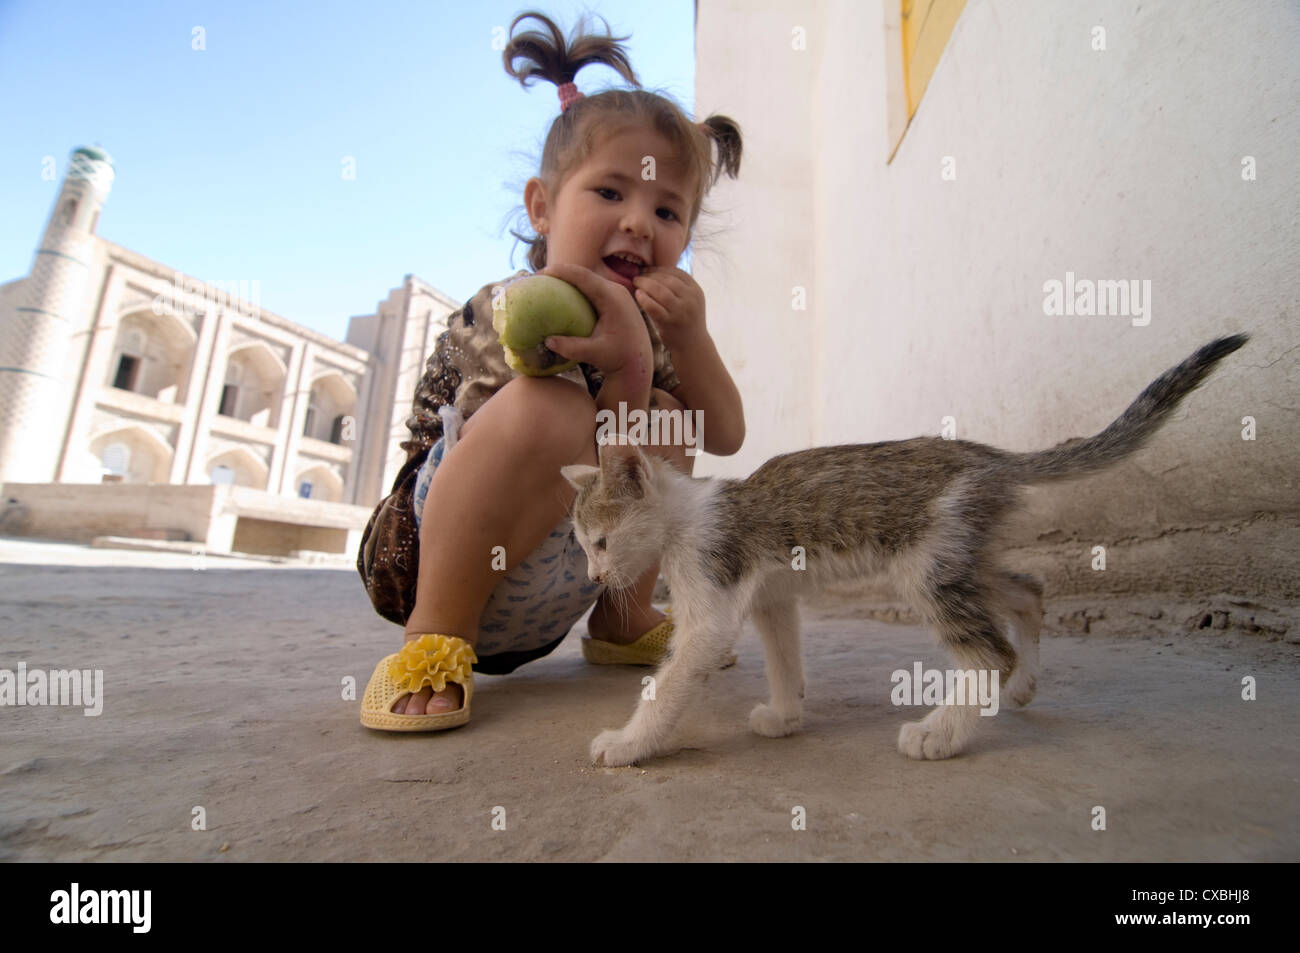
(223, 691)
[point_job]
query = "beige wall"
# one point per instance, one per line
(220, 518)
(81, 512)
(285, 539)
(925, 296)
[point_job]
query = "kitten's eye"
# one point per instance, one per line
(600, 544)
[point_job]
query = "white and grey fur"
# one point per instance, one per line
(924, 512)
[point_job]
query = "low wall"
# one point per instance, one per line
(271, 538)
(82, 511)
(220, 518)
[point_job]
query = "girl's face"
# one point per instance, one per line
(605, 206)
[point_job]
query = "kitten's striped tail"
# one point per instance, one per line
(1132, 429)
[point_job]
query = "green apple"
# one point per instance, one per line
(529, 310)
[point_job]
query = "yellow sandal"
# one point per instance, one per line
(432, 660)
(650, 649)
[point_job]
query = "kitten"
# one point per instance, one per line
(924, 512)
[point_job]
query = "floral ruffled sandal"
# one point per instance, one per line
(650, 649)
(432, 660)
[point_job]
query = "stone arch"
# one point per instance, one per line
(332, 398)
(327, 486)
(254, 384)
(152, 355)
(149, 456)
(248, 468)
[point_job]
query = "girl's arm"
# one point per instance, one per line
(707, 387)
(674, 301)
(620, 345)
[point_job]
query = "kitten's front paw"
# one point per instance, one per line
(924, 742)
(766, 722)
(615, 749)
(1021, 690)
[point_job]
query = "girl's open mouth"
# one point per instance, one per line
(622, 270)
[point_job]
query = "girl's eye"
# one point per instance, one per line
(613, 195)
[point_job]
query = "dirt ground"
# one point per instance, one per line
(223, 687)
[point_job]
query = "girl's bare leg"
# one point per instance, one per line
(499, 486)
(625, 617)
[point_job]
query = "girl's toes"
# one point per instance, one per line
(439, 703)
(416, 706)
(424, 702)
(446, 700)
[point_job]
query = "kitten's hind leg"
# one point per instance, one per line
(962, 611)
(777, 620)
(1021, 597)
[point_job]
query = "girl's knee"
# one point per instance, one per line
(663, 400)
(547, 414)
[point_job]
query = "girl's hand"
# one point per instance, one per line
(620, 344)
(674, 302)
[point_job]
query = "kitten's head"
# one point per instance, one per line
(616, 515)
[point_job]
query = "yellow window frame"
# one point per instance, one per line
(923, 28)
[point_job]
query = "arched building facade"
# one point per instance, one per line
(115, 368)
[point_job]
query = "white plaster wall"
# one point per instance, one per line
(756, 238)
(925, 295)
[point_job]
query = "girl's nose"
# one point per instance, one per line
(637, 223)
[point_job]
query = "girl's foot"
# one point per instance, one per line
(609, 625)
(426, 702)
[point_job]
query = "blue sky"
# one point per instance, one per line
(229, 160)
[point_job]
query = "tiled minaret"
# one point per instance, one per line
(41, 325)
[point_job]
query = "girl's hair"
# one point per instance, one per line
(577, 131)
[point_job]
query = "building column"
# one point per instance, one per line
(376, 427)
(293, 416)
(210, 399)
(360, 414)
(99, 351)
(194, 393)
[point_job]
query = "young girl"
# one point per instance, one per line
(501, 577)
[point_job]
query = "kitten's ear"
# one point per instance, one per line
(580, 475)
(624, 466)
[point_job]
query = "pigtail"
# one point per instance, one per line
(551, 58)
(545, 54)
(725, 134)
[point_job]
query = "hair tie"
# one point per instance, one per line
(569, 94)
